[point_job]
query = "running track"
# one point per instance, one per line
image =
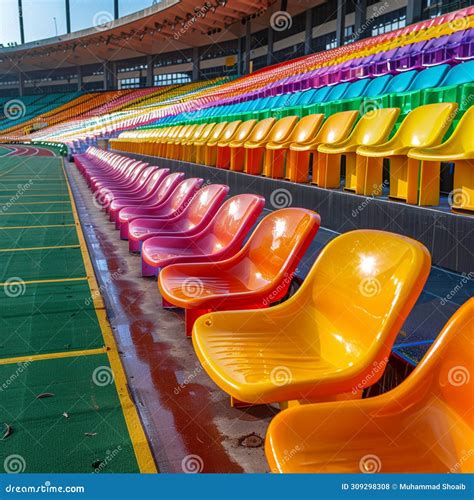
(26, 151)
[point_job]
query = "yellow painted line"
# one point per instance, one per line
(141, 447)
(36, 213)
(41, 282)
(6, 228)
(54, 355)
(37, 248)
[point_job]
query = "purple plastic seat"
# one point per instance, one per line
(408, 57)
(465, 49)
(435, 51)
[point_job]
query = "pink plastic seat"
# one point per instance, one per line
(138, 187)
(221, 239)
(124, 180)
(160, 196)
(195, 217)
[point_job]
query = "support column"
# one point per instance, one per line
(308, 32)
(79, 78)
(414, 11)
(340, 22)
(247, 47)
(240, 62)
(196, 64)
(110, 75)
(116, 9)
(68, 17)
(20, 19)
(360, 24)
(21, 84)
(270, 46)
(150, 75)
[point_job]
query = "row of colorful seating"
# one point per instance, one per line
(316, 351)
(291, 148)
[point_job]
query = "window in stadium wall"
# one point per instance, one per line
(129, 83)
(44, 19)
(87, 14)
(172, 79)
(9, 26)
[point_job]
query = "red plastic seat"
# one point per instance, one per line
(195, 217)
(219, 240)
(257, 276)
(160, 196)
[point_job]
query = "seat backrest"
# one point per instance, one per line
(375, 126)
(198, 131)
(337, 92)
(282, 128)
(465, 130)
(183, 192)
(229, 131)
(146, 172)
(377, 86)
(321, 95)
(167, 186)
(206, 132)
(366, 282)
(235, 218)
(461, 73)
(245, 128)
(401, 82)
(357, 88)
(156, 178)
(279, 241)
(426, 125)
(207, 197)
(306, 128)
(337, 127)
(217, 131)
(261, 129)
(429, 77)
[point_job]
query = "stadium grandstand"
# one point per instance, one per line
(237, 236)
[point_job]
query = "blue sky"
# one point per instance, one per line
(39, 16)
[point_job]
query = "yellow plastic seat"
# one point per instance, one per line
(373, 128)
(211, 146)
(335, 128)
(223, 149)
(237, 151)
(184, 146)
(176, 135)
(276, 151)
(200, 141)
(423, 127)
(424, 425)
(177, 144)
(459, 148)
(201, 149)
(326, 339)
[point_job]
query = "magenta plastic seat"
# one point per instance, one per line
(146, 197)
(123, 180)
(159, 196)
(193, 219)
(109, 171)
(221, 239)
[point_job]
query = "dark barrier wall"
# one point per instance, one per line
(449, 237)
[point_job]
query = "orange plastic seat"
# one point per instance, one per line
(373, 128)
(276, 151)
(237, 151)
(210, 158)
(336, 128)
(191, 148)
(459, 149)
(327, 338)
(257, 276)
(183, 153)
(240, 135)
(255, 148)
(423, 127)
(424, 425)
(201, 147)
